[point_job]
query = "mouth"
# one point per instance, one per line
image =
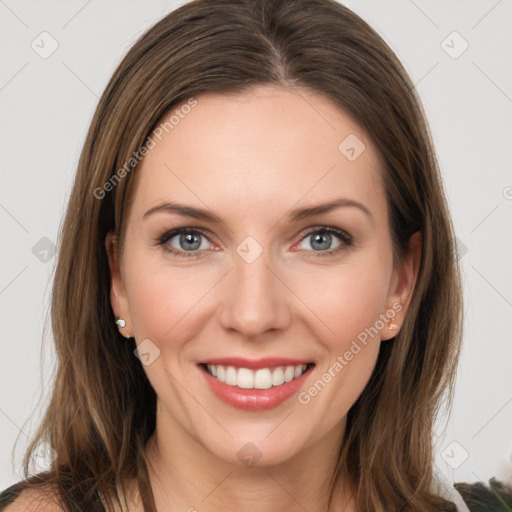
(262, 378)
(255, 385)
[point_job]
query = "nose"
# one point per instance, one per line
(255, 298)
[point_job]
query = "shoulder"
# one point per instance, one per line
(19, 499)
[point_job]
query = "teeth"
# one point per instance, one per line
(244, 379)
(289, 373)
(264, 378)
(277, 377)
(231, 376)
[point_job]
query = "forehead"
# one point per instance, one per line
(263, 147)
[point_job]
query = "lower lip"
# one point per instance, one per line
(255, 399)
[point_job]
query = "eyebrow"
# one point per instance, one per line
(294, 215)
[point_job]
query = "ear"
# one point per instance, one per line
(402, 286)
(118, 296)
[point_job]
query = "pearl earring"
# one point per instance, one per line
(120, 322)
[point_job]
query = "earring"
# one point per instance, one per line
(393, 326)
(122, 323)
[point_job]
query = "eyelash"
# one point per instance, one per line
(345, 239)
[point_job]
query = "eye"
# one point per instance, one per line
(185, 242)
(192, 242)
(321, 239)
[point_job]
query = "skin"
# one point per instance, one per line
(250, 158)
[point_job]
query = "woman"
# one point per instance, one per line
(257, 303)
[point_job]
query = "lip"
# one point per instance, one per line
(256, 364)
(254, 399)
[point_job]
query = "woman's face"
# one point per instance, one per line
(257, 281)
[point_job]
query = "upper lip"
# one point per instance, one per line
(267, 362)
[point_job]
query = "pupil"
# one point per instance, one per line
(189, 239)
(317, 241)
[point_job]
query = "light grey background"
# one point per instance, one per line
(47, 104)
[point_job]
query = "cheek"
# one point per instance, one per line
(163, 299)
(161, 304)
(350, 306)
(345, 300)
(338, 385)
(346, 306)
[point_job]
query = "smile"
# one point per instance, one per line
(264, 378)
(255, 385)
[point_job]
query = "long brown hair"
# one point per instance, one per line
(102, 407)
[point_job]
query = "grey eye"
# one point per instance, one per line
(190, 241)
(320, 241)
